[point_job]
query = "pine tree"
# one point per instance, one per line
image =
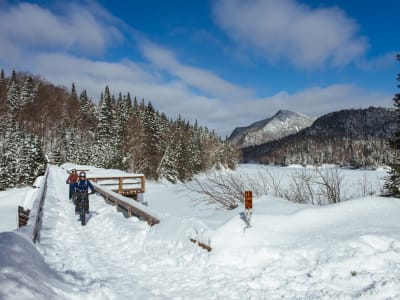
(170, 165)
(152, 139)
(87, 114)
(13, 76)
(108, 154)
(392, 185)
(105, 115)
(13, 99)
(37, 162)
(28, 91)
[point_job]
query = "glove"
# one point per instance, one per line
(92, 192)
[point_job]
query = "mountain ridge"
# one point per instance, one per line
(282, 124)
(354, 137)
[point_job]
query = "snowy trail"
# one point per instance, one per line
(117, 258)
(338, 252)
(109, 258)
(94, 258)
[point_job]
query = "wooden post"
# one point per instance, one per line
(120, 185)
(202, 245)
(248, 205)
(143, 183)
(23, 216)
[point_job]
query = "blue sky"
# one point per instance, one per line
(224, 63)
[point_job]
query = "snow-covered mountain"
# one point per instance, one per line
(282, 124)
(351, 137)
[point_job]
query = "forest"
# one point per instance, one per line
(352, 137)
(41, 122)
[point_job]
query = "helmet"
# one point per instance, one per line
(73, 170)
(82, 174)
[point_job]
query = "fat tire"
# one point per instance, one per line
(83, 213)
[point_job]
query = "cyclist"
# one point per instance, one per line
(83, 185)
(71, 180)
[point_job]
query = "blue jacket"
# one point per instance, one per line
(83, 185)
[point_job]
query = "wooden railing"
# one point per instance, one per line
(130, 185)
(202, 245)
(34, 224)
(23, 216)
(129, 206)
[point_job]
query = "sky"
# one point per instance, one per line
(224, 63)
(349, 250)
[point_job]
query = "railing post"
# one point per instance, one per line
(143, 183)
(248, 206)
(120, 187)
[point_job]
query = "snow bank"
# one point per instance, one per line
(24, 273)
(350, 250)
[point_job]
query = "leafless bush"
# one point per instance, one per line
(330, 183)
(301, 188)
(225, 190)
(273, 183)
(314, 186)
(366, 187)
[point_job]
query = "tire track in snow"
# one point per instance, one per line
(117, 258)
(90, 257)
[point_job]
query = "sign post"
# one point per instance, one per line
(248, 206)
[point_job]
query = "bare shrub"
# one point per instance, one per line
(225, 190)
(301, 188)
(366, 187)
(271, 182)
(310, 186)
(330, 183)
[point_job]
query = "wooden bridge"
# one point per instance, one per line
(130, 185)
(116, 190)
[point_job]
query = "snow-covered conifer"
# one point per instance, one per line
(392, 185)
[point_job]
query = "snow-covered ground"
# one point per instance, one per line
(349, 250)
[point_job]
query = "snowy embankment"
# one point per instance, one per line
(345, 251)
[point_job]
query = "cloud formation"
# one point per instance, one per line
(77, 29)
(285, 29)
(198, 78)
(73, 46)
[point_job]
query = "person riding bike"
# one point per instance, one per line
(71, 180)
(82, 185)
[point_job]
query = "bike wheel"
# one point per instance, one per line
(83, 214)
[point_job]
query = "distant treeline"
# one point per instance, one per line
(39, 118)
(352, 137)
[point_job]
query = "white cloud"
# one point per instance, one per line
(195, 77)
(381, 62)
(32, 26)
(285, 29)
(173, 97)
(42, 42)
(313, 102)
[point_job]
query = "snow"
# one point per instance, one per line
(350, 250)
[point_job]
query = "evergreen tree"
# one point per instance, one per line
(194, 149)
(152, 140)
(87, 113)
(13, 76)
(4, 172)
(13, 99)
(37, 161)
(28, 91)
(105, 116)
(392, 185)
(107, 152)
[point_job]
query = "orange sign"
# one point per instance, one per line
(248, 199)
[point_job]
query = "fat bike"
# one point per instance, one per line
(82, 205)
